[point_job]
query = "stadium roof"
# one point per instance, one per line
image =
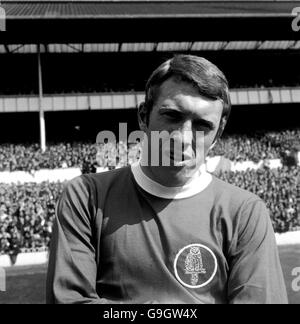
(29, 22)
(144, 9)
(152, 47)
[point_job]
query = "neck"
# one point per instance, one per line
(171, 179)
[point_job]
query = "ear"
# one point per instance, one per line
(221, 128)
(220, 131)
(143, 117)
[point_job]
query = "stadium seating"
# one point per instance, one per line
(259, 146)
(26, 215)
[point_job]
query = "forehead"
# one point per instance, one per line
(186, 97)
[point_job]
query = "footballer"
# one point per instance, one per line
(167, 233)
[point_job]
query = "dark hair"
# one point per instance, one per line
(204, 75)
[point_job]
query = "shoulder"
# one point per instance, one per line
(95, 186)
(232, 194)
(109, 178)
(240, 206)
(92, 180)
(246, 214)
(84, 194)
(246, 211)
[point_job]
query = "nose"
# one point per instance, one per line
(187, 131)
(187, 125)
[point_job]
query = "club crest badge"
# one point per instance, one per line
(195, 266)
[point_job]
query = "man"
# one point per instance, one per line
(157, 233)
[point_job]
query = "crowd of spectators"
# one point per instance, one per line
(258, 146)
(27, 212)
(30, 158)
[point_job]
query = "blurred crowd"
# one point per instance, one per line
(258, 146)
(30, 158)
(27, 212)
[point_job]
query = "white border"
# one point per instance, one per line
(213, 274)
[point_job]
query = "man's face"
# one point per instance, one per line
(193, 119)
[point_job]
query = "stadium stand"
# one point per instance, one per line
(255, 147)
(26, 216)
(258, 146)
(64, 155)
(132, 71)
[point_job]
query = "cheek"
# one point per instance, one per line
(209, 140)
(152, 124)
(205, 143)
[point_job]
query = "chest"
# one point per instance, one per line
(146, 237)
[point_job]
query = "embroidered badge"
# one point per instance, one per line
(195, 266)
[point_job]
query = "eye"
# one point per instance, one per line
(172, 115)
(203, 126)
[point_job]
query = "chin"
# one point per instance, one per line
(177, 174)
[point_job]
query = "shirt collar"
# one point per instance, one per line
(199, 182)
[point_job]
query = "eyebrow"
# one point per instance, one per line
(208, 123)
(169, 108)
